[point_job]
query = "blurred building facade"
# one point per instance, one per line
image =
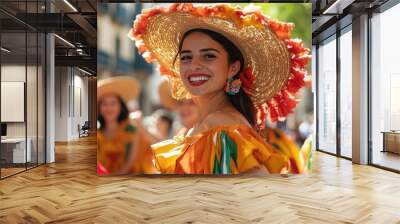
(116, 53)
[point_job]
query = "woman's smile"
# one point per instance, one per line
(198, 79)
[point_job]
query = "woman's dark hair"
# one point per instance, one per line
(169, 120)
(241, 101)
(123, 114)
(165, 116)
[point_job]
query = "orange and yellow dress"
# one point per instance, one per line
(229, 149)
(299, 160)
(113, 153)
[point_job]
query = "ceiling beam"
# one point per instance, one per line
(81, 61)
(337, 7)
(84, 24)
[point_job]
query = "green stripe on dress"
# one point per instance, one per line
(128, 147)
(130, 128)
(228, 153)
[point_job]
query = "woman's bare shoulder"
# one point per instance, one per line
(224, 118)
(218, 119)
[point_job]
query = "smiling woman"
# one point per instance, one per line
(209, 54)
(222, 57)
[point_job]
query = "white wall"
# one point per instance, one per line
(61, 103)
(33, 127)
(12, 73)
(80, 100)
(71, 93)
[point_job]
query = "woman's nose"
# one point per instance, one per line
(196, 63)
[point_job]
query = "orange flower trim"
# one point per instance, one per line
(284, 101)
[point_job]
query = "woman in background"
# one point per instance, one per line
(120, 148)
(188, 114)
(186, 109)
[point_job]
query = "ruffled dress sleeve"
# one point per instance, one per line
(299, 159)
(220, 150)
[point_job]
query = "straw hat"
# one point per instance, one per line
(127, 88)
(166, 99)
(274, 64)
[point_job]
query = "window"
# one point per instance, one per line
(327, 96)
(385, 89)
(22, 74)
(346, 93)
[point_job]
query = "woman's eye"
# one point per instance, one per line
(209, 56)
(185, 57)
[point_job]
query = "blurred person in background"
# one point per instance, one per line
(186, 109)
(188, 114)
(120, 147)
(305, 129)
(163, 124)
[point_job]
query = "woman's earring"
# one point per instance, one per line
(233, 86)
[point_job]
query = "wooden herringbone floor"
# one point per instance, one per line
(70, 192)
